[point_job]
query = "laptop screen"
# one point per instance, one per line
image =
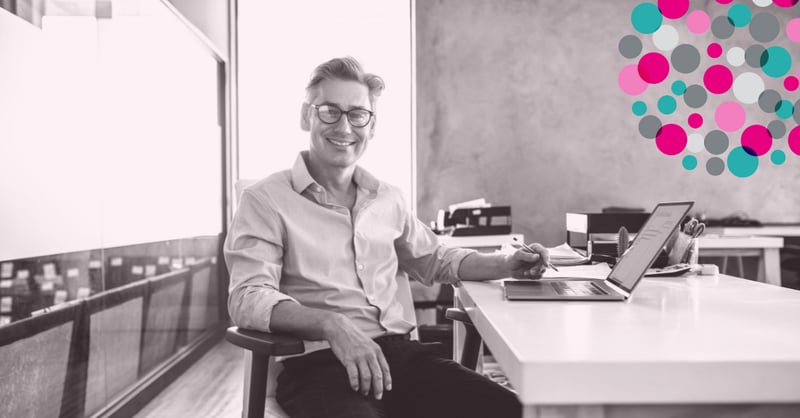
(649, 241)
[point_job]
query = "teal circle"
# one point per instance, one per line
(678, 87)
(739, 15)
(778, 61)
(646, 18)
(689, 162)
(784, 109)
(741, 164)
(777, 157)
(639, 108)
(667, 105)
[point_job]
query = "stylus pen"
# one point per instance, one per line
(525, 246)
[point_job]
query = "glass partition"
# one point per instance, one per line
(112, 119)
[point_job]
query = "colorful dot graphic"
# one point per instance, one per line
(715, 86)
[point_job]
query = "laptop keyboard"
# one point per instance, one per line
(577, 289)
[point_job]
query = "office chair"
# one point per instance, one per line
(261, 370)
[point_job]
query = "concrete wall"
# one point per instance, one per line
(518, 102)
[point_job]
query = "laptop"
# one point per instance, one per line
(625, 275)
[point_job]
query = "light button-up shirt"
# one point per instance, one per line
(287, 241)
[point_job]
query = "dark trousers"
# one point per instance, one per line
(424, 384)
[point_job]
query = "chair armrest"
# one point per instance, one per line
(270, 344)
(456, 314)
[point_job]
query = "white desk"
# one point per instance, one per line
(481, 242)
(688, 346)
(776, 230)
(767, 249)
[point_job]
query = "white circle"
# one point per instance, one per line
(762, 3)
(747, 87)
(695, 142)
(735, 56)
(665, 38)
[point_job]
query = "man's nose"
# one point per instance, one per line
(343, 125)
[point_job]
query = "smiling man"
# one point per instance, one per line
(315, 252)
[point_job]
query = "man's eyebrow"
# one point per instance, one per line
(339, 105)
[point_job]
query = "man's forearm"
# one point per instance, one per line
(304, 322)
(480, 266)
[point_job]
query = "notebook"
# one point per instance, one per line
(626, 274)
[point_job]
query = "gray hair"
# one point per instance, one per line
(347, 68)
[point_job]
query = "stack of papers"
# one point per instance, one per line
(564, 255)
(589, 271)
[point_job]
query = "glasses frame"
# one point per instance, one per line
(343, 112)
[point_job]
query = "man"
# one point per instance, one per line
(315, 252)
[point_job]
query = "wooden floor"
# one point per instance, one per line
(212, 388)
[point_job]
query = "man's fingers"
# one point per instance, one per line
(377, 380)
(352, 374)
(387, 374)
(365, 377)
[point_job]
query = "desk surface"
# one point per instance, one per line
(677, 340)
(775, 230)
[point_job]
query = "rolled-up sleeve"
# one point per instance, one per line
(423, 257)
(253, 253)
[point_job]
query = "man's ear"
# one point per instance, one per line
(372, 126)
(305, 121)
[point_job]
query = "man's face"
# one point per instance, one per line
(339, 144)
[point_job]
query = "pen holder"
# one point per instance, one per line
(682, 249)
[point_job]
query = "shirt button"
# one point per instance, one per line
(360, 266)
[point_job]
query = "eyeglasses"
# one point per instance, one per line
(331, 114)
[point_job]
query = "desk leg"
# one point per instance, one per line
(771, 266)
(565, 411)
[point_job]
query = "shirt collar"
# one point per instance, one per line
(301, 178)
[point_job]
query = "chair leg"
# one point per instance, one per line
(255, 385)
(472, 347)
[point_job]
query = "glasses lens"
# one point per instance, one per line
(329, 114)
(358, 117)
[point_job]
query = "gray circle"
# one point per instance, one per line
(755, 56)
(695, 96)
(649, 126)
(722, 28)
(630, 46)
(764, 27)
(716, 142)
(685, 58)
(777, 129)
(715, 166)
(768, 100)
(797, 110)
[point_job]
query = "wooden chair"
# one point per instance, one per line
(260, 349)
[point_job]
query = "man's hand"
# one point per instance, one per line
(362, 358)
(524, 264)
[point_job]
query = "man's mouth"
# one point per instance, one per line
(340, 143)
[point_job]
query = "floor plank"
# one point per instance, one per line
(210, 388)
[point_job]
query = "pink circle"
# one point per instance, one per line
(653, 68)
(671, 139)
(757, 140)
(673, 9)
(724, 1)
(714, 50)
(793, 30)
(630, 82)
(698, 22)
(730, 116)
(717, 79)
(794, 140)
(791, 83)
(695, 120)
(784, 3)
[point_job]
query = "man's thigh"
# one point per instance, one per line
(437, 387)
(319, 387)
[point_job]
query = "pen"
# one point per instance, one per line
(525, 246)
